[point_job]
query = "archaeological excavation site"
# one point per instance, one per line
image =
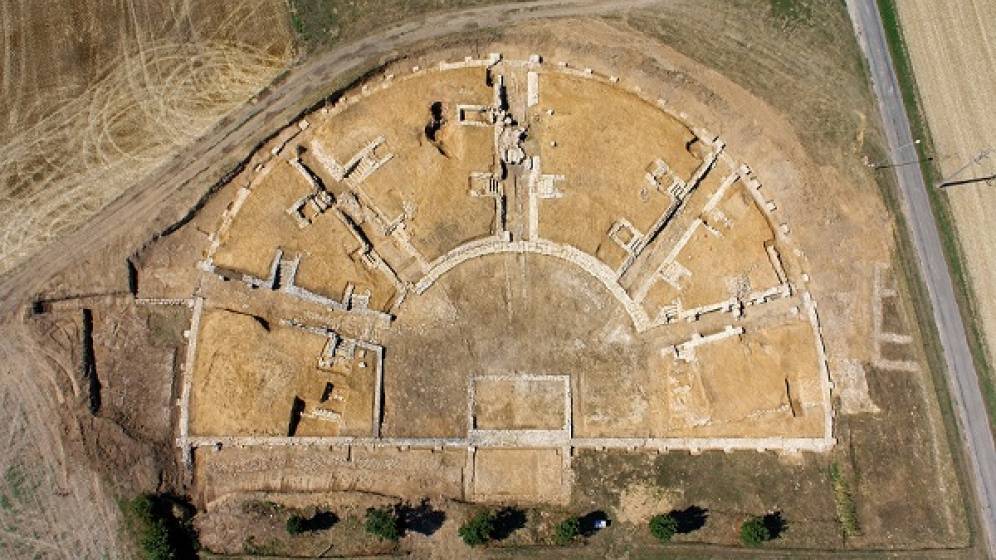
(512, 274)
(457, 260)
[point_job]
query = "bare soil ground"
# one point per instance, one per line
(251, 371)
(330, 258)
(124, 337)
(441, 212)
(539, 475)
(520, 404)
(768, 378)
(950, 46)
(719, 263)
(597, 195)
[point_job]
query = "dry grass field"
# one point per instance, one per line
(94, 96)
(49, 508)
(953, 51)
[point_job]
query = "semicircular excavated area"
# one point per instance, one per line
(504, 253)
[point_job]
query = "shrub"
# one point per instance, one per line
(296, 524)
(753, 532)
(155, 542)
(844, 501)
(383, 523)
(567, 530)
(160, 535)
(479, 529)
(663, 527)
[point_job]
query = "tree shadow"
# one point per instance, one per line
(775, 524)
(589, 522)
(507, 521)
(321, 521)
(692, 518)
(421, 519)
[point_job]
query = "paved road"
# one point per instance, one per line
(963, 380)
(180, 181)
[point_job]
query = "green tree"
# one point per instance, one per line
(753, 532)
(383, 522)
(478, 529)
(663, 527)
(296, 524)
(151, 528)
(567, 530)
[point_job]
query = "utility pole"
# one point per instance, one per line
(889, 165)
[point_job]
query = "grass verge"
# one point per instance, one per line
(844, 501)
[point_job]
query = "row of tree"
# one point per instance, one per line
(383, 522)
(483, 527)
(754, 531)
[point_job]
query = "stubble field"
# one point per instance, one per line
(94, 96)
(953, 51)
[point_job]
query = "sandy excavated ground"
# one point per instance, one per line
(953, 49)
(517, 403)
